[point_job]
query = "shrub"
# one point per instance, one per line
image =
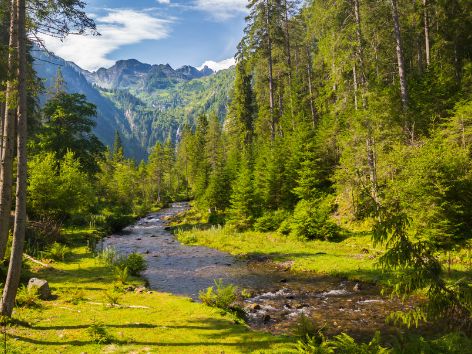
(306, 328)
(121, 274)
(107, 256)
(58, 252)
(28, 297)
(220, 296)
(451, 343)
(314, 345)
(311, 220)
(114, 221)
(341, 343)
(135, 263)
(98, 333)
(42, 233)
(112, 296)
(271, 220)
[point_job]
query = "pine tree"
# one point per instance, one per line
(243, 205)
(117, 146)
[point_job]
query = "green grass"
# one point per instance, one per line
(167, 324)
(353, 257)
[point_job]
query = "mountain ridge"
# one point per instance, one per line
(131, 72)
(145, 103)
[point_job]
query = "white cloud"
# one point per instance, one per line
(222, 9)
(164, 2)
(117, 28)
(217, 66)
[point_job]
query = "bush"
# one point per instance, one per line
(451, 343)
(112, 296)
(42, 233)
(121, 274)
(305, 328)
(135, 263)
(113, 221)
(28, 297)
(220, 296)
(271, 220)
(58, 252)
(342, 343)
(98, 333)
(107, 256)
(311, 220)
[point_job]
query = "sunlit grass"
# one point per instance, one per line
(353, 257)
(157, 322)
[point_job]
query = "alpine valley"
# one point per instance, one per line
(144, 103)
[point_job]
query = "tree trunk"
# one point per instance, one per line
(271, 79)
(426, 32)
(288, 49)
(354, 77)
(310, 88)
(360, 57)
(14, 268)
(8, 135)
(372, 162)
(400, 57)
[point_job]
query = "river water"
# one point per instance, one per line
(279, 297)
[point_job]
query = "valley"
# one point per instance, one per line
(144, 103)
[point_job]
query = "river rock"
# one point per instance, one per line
(43, 287)
(254, 307)
(357, 287)
(140, 290)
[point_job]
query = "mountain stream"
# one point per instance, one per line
(278, 296)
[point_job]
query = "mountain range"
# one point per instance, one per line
(145, 103)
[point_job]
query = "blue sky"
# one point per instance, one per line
(177, 32)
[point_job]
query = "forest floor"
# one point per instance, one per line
(148, 322)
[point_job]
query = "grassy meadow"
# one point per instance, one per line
(140, 323)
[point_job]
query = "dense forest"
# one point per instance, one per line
(345, 116)
(349, 112)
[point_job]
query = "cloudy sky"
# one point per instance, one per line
(177, 32)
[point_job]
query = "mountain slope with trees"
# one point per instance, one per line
(347, 115)
(144, 103)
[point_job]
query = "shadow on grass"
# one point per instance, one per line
(126, 325)
(87, 273)
(218, 329)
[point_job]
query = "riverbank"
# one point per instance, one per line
(353, 258)
(147, 322)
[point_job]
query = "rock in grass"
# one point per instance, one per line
(42, 287)
(140, 290)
